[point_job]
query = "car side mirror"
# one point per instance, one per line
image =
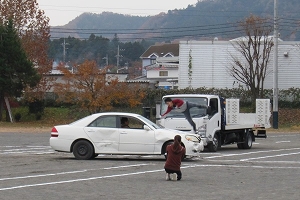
(146, 128)
(208, 110)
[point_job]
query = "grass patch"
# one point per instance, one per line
(50, 117)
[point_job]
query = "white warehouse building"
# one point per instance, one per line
(211, 59)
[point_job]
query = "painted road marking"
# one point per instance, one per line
(136, 173)
(282, 142)
(26, 150)
(273, 156)
(249, 153)
(259, 161)
(71, 172)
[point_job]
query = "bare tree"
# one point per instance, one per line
(250, 65)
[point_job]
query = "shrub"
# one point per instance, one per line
(18, 117)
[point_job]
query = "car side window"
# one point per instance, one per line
(104, 121)
(133, 123)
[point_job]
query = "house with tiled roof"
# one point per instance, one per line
(160, 65)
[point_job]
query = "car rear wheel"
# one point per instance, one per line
(83, 150)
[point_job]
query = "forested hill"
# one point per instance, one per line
(205, 20)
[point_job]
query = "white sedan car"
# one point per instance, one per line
(102, 133)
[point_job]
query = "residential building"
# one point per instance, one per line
(160, 65)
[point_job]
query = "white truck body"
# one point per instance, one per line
(220, 124)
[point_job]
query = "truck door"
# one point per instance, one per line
(214, 123)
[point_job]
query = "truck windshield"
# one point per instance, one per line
(195, 111)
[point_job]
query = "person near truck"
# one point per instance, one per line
(183, 107)
(175, 154)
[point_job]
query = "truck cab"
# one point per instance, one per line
(221, 123)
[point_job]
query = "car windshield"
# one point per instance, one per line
(195, 111)
(150, 122)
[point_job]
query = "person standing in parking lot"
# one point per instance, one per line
(175, 154)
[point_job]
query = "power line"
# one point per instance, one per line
(189, 31)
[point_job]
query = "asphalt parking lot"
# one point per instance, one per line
(30, 169)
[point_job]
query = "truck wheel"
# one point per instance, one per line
(214, 145)
(247, 140)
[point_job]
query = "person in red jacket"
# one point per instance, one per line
(183, 107)
(175, 154)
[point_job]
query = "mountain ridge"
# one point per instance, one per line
(205, 20)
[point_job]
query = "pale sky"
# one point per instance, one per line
(61, 12)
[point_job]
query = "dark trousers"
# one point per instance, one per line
(187, 114)
(179, 174)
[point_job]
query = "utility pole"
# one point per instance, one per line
(64, 50)
(106, 58)
(118, 56)
(275, 69)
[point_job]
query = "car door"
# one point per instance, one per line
(104, 133)
(214, 124)
(136, 139)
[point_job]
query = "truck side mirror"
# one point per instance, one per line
(208, 110)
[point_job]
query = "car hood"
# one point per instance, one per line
(170, 133)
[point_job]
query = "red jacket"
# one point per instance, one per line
(174, 157)
(176, 103)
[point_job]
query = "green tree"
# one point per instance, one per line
(33, 28)
(16, 70)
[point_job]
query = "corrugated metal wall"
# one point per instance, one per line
(211, 59)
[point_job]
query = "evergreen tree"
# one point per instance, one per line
(16, 70)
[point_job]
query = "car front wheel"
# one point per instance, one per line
(164, 151)
(83, 150)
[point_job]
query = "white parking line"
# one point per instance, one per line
(135, 173)
(259, 161)
(77, 180)
(29, 152)
(126, 166)
(26, 150)
(70, 172)
(290, 135)
(41, 175)
(249, 153)
(273, 156)
(282, 142)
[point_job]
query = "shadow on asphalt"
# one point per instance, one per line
(124, 158)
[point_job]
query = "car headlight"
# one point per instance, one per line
(192, 138)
